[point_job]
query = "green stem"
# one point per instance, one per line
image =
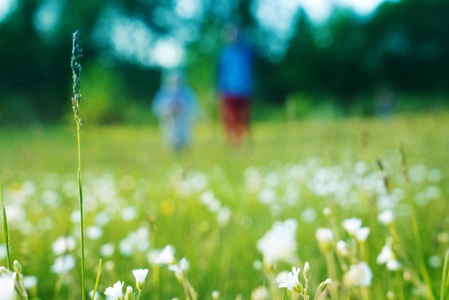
(97, 280)
(83, 292)
(24, 292)
(5, 231)
(58, 286)
(285, 294)
(400, 288)
(331, 266)
(444, 277)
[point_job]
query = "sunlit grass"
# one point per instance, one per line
(221, 257)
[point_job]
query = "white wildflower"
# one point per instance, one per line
(140, 275)
(351, 225)
(63, 264)
(153, 256)
(358, 275)
(327, 211)
(267, 196)
(309, 215)
(129, 293)
(257, 265)
(281, 277)
(180, 268)
(115, 292)
(417, 173)
(361, 234)
(392, 264)
(75, 216)
(102, 218)
(29, 282)
(342, 248)
(385, 255)
(324, 235)
(292, 281)
(63, 245)
(223, 216)
(208, 199)
(125, 247)
(260, 293)
(135, 241)
(7, 287)
(128, 213)
(279, 244)
(167, 256)
(94, 232)
(91, 295)
(386, 217)
(107, 250)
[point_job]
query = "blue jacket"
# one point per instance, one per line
(235, 74)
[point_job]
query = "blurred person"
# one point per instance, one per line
(235, 84)
(385, 101)
(176, 107)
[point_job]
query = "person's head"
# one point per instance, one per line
(173, 79)
(231, 33)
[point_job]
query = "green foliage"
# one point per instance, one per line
(402, 45)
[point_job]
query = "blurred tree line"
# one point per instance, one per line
(402, 47)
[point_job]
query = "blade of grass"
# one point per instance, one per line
(444, 277)
(5, 231)
(414, 221)
(97, 280)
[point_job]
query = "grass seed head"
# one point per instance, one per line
(77, 54)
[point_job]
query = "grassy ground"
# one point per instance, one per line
(138, 150)
(221, 257)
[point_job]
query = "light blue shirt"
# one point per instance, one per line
(176, 109)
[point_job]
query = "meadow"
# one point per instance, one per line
(241, 216)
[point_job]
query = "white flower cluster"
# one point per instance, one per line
(187, 183)
(279, 243)
(347, 184)
(387, 257)
(167, 257)
(354, 227)
(135, 241)
(214, 205)
(358, 275)
(64, 261)
(116, 291)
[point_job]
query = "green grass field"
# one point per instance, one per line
(286, 170)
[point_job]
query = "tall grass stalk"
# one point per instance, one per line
(415, 227)
(77, 53)
(5, 231)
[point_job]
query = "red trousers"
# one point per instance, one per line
(235, 116)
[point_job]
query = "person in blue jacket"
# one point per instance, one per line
(235, 84)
